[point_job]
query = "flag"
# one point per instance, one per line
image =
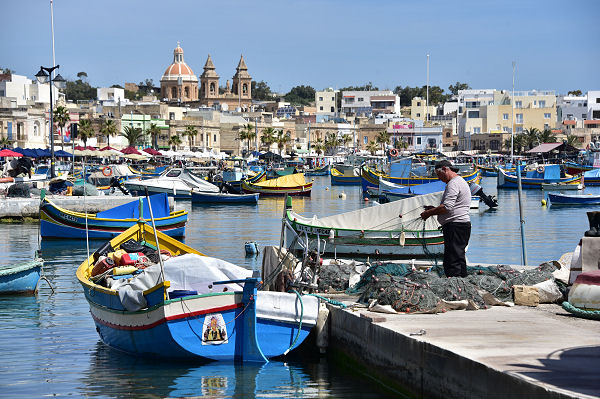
(67, 133)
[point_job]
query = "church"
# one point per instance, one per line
(179, 84)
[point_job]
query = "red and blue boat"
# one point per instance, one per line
(533, 179)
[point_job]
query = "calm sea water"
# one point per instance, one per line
(49, 345)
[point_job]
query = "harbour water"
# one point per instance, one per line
(49, 345)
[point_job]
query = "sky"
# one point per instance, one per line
(320, 43)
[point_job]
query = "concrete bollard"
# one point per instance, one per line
(322, 328)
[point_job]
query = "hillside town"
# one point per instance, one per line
(201, 113)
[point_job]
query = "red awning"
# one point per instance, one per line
(130, 150)
(9, 153)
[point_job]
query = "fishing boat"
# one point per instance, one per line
(176, 182)
(488, 171)
(534, 178)
(389, 192)
(57, 222)
(573, 199)
(392, 229)
(370, 178)
(584, 296)
(294, 184)
(592, 177)
(190, 305)
(345, 175)
(561, 187)
(235, 181)
(224, 198)
(322, 171)
(20, 278)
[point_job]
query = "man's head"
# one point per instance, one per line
(445, 170)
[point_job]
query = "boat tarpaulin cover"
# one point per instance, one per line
(394, 215)
(294, 180)
(131, 210)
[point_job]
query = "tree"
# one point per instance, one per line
(79, 90)
(268, 137)
(82, 75)
(174, 141)
(458, 86)
(372, 147)
(331, 143)
(282, 139)
(382, 138)
(61, 118)
(190, 132)
(108, 128)
(319, 146)
(574, 93)
(133, 135)
(247, 133)
(5, 142)
(7, 71)
(85, 131)
(154, 132)
(547, 136)
(261, 91)
(301, 95)
(406, 94)
(573, 140)
(345, 139)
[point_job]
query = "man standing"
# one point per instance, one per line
(453, 215)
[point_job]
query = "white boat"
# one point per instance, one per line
(176, 182)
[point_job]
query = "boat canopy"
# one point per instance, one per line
(131, 210)
(294, 180)
(394, 215)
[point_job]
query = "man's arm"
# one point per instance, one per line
(430, 211)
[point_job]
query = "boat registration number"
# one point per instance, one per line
(312, 230)
(68, 217)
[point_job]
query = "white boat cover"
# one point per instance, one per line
(396, 215)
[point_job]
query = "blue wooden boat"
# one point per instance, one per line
(322, 171)
(591, 177)
(255, 178)
(224, 198)
(181, 316)
(488, 171)
(57, 222)
(21, 278)
(573, 199)
(534, 179)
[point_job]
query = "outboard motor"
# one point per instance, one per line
(489, 200)
(115, 182)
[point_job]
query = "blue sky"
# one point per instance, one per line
(321, 43)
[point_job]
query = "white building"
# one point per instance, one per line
(26, 91)
(593, 102)
(571, 108)
(110, 94)
(359, 102)
(418, 137)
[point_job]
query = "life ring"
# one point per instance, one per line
(107, 171)
(540, 169)
(393, 152)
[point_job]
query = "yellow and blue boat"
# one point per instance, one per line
(533, 179)
(57, 222)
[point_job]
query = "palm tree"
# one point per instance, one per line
(319, 146)
(174, 141)
(372, 147)
(573, 140)
(382, 138)
(61, 118)
(268, 137)
(546, 136)
(345, 139)
(85, 131)
(5, 142)
(154, 132)
(282, 139)
(531, 137)
(108, 128)
(133, 135)
(247, 133)
(190, 132)
(331, 142)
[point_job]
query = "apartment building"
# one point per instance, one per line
(359, 102)
(420, 111)
(593, 102)
(325, 102)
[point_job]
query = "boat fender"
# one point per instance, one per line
(121, 270)
(107, 171)
(322, 328)
(393, 152)
(540, 169)
(342, 196)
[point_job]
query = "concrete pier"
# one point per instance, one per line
(18, 208)
(502, 352)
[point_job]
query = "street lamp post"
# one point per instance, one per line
(43, 76)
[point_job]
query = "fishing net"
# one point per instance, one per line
(335, 277)
(89, 190)
(407, 290)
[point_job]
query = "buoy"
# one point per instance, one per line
(543, 202)
(251, 247)
(366, 199)
(326, 188)
(342, 196)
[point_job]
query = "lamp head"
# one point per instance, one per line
(59, 82)
(41, 76)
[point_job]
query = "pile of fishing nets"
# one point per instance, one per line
(335, 277)
(408, 290)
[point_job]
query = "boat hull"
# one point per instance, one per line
(250, 188)
(339, 179)
(210, 198)
(370, 179)
(564, 199)
(511, 181)
(20, 279)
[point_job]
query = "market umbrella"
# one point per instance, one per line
(62, 153)
(130, 150)
(107, 148)
(9, 153)
(152, 151)
(79, 148)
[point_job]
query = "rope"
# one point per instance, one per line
(586, 314)
(329, 300)
(299, 325)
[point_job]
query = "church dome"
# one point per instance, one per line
(178, 69)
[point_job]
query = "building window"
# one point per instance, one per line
(505, 117)
(332, 98)
(473, 114)
(1, 93)
(583, 116)
(418, 140)
(245, 88)
(321, 108)
(418, 115)
(518, 104)
(171, 116)
(547, 115)
(505, 129)
(212, 88)
(597, 100)
(366, 140)
(418, 103)
(542, 104)
(546, 126)
(476, 130)
(332, 109)
(360, 99)
(519, 118)
(447, 134)
(519, 129)
(320, 98)
(173, 92)
(187, 92)
(214, 138)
